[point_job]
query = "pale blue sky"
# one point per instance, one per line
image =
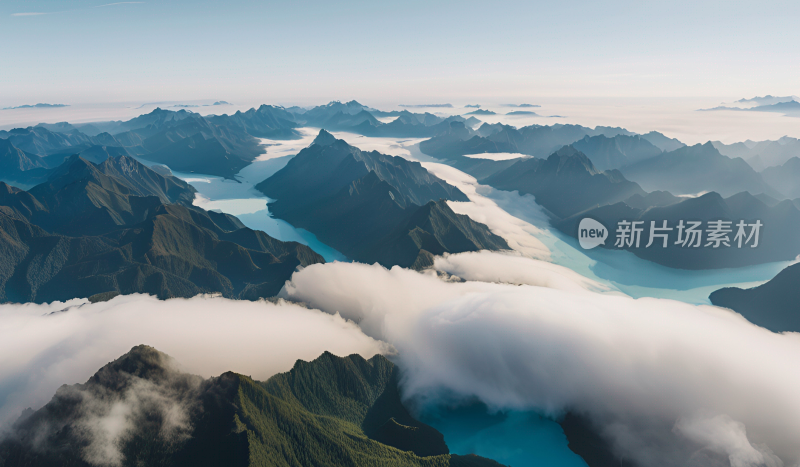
(80, 51)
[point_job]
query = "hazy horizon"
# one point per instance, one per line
(676, 118)
(410, 52)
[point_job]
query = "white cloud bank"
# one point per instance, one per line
(671, 383)
(45, 346)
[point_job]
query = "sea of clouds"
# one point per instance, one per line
(669, 384)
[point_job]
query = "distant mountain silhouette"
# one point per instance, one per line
(356, 118)
(662, 142)
(696, 169)
(458, 140)
(265, 122)
(41, 141)
(565, 183)
(767, 100)
(762, 154)
(216, 145)
(787, 106)
(785, 178)
(17, 165)
(535, 140)
(616, 152)
(36, 106)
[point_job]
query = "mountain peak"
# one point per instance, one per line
(6, 145)
(324, 138)
(142, 361)
(568, 156)
(567, 151)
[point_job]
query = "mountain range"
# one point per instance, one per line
(697, 169)
(185, 141)
(785, 105)
(96, 230)
(36, 106)
(565, 183)
(608, 147)
(458, 140)
(330, 412)
(762, 154)
(356, 118)
(766, 100)
(617, 151)
(373, 207)
(777, 241)
(662, 142)
(785, 178)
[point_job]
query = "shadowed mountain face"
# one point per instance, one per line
(364, 203)
(458, 140)
(662, 142)
(85, 198)
(777, 236)
(431, 230)
(541, 140)
(330, 164)
(773, 305)
(185, 141)
(41, 141)
(94, 154)
(763, 153)
(109, 228)
(452, 145)
(196, 144)
(13, 159)
(330, 412)
(785, 178)
(608, 148)
(697, 169)
(616, 152)
(18, 166)
(585, 440)
(265, 122)
(565, 183)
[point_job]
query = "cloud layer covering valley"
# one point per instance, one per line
(45, 346)
(670, 383)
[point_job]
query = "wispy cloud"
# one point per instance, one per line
(34, 13)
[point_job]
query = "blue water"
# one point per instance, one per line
(240, 198)
(625, 271)
(517, 439)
